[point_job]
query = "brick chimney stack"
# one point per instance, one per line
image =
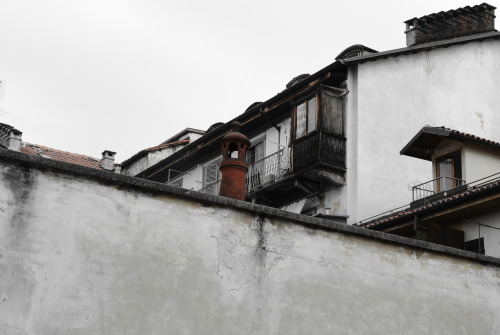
(108, 160)
(453, 23)
(234, 166)
(10, 138)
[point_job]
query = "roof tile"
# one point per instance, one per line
(59, 155)
(410, 211)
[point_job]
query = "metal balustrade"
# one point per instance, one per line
(434, 186)
(268, 170)
(265, 171)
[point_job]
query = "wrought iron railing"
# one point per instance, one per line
(265, 171)
(434, 186)
(268, 169)
(212, 189)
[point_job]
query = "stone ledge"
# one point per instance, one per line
(311, 222)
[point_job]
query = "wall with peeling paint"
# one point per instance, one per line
(91, 252)
(391, 99)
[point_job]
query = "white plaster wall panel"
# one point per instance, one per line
(150, 159)
(138, 166)
(455, 87)
(159, 155)
(285, 133)
(336, 200)
(480, 162)
(193, 178)
(271, 146)
(352, 150)
(79, 256)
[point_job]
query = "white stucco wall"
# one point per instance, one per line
(393, 98)
(150, 159)
(274, 140)
(480, 162)
(85, 256)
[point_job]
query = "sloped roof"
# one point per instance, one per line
(144, 152)
(59, 155)
(421, 47)
(426, 140)
(468, 194)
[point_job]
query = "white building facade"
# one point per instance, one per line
(329, 144)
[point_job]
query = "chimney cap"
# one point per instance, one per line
(108, 153)
(235, 134)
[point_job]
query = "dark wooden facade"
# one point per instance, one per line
(324, 147)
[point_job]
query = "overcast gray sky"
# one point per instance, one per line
(123, 75)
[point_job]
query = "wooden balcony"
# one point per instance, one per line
(312, 164)
(319, 149)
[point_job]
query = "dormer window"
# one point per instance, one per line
(305, 116)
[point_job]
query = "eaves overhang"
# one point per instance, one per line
(423, 144)
(421, 47)
(335, 69)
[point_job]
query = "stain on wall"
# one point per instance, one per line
(100, 259)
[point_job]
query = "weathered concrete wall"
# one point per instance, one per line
(91, 252)
(391, 99)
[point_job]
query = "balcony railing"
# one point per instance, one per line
(265, 171)
(434, 186)
(320, 147)
(268, 169)
(212, 189)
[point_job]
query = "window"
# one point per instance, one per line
(256, 152)
(448, 172)
(211, 173)
(305, 117)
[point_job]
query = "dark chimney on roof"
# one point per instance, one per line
(453, 23)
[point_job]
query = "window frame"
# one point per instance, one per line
(456, 169)
(258, 141)
(304, 100)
